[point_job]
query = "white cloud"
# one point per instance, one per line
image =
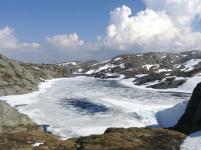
(30, 45)
(154, 28)
(8, 40)
(65, 41)
(181, 12)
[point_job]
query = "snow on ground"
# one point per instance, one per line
(169, 117)
(107, 66)
(141, 75)
(187, 87)
(80, 70)
(192, 142)
(189, 65)
(164, 70)
(190, 84)
(122, 66)
(118, 58)
(164, 56)
(37, 144)
(148, 66)
(68, 63)
(30, 97)
(90, 72)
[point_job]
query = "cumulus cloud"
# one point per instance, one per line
(181, 12)
(158, 27)
(8, 40)
(65, 41)
(30, 45)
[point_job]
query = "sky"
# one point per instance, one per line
(67, 30)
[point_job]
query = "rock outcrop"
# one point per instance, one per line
(191, 119)
(12, 121)
(19, 78)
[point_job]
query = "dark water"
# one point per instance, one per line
(84, 106)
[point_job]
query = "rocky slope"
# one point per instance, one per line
(18, 78)
(191, 119)
(152, 70)
(12, 121)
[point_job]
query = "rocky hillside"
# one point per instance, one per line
(12, 121)
(18, 78)
(154, 70)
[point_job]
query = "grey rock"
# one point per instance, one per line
(12, 120)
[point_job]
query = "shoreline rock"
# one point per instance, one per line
(191, 119)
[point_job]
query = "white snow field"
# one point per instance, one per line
(82, 106)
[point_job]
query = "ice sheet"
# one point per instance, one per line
(126, 106)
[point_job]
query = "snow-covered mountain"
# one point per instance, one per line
(153, 70)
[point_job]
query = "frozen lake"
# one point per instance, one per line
(82, 106)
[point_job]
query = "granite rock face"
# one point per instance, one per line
(19, 78)
(12, 121)
(191, 119)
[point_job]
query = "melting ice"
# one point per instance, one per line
(82, 106)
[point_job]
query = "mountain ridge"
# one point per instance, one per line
(158, 70)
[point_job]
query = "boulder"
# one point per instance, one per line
(12, 121)
(191, 119)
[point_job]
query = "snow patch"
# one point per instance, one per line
(37, 144)
(190, 65)
(192, 142)
(122, 66)
(164, 70)
(107, 66)
(148, 66)
(118, 58)
(141, 75)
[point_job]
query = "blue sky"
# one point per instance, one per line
(63, 30)
(32, 19)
